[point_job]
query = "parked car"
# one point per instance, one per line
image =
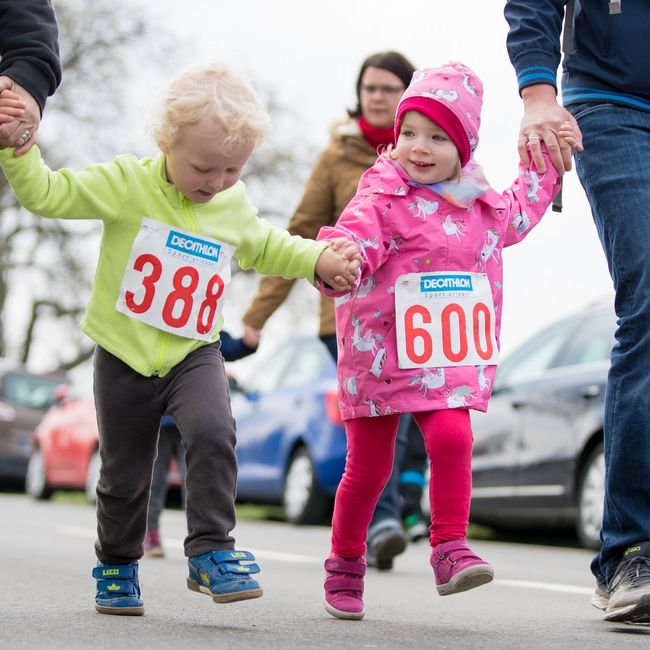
(290, 437)
(65, 447)
(24, 398)
(538, 451)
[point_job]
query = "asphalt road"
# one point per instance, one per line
(539, 599)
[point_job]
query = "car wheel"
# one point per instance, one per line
(303, 500)
(591, 498)
(92, 477)
(36, 478)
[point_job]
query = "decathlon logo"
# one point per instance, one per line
(193, 246)
(455, 282)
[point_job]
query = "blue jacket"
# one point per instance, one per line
(606, 59)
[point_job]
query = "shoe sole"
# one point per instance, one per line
(600, 602)
(120, 611)
(231, 597)
(345, 616)
(155, 552)
(637, 613)
(467, 579)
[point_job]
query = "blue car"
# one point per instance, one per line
(290, 436)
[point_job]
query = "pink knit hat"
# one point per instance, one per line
(451, 96)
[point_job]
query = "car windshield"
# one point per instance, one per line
(30, 391)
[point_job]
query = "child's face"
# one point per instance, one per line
(425, 151)
(197, 164)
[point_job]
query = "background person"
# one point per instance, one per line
(29, 65)
(606, 88)
(381, 80)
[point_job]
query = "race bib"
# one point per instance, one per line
(445, 319)
(175, 280)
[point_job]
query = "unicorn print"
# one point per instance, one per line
(458, 397)
(453, 227)
(378, 362)
(368, 243)
(533, 185)
(393, 246)
(362, 342)
(429, 379)
(483, 381)
(350, 385)
(489, 250)
(521, 222)
(423, 207)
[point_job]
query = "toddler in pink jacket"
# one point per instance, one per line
(419, 332)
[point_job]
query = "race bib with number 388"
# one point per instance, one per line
(175, 280)
(445, 319)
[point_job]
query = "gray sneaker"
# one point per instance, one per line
(383, 545)
(629, 589)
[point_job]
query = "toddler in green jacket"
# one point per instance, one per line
(171, 226)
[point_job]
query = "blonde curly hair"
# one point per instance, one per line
(215, 92)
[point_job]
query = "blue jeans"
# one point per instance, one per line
(614, 170)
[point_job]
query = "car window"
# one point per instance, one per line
(267, 374)
(31, 391)
(305, 366)
(592, 342)
(535, 356)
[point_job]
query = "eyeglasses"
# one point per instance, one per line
(370, 89)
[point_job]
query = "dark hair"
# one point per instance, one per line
(393, 62)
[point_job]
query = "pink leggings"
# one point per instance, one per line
(371, 448)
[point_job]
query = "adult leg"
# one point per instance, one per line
(412, 479)
(159, 478)
(614, 170)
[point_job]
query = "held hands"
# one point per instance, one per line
(20, 116)
(542, 122)
(338, 266)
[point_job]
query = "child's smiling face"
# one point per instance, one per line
(198, 165)
(425, 151)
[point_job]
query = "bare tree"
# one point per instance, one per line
(46, 264)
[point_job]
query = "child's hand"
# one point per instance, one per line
(335, 270)
(350, 251)
(11, 106)
(568, 134)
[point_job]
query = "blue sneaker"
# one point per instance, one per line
(118, 589)
(222, 575)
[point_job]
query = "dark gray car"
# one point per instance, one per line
(538, 451)
(24, 398)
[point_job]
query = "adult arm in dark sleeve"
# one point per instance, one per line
(533, 44)
(29, 46)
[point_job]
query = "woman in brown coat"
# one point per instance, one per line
(382, 79)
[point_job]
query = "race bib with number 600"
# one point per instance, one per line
(445, 319)
(175, 280)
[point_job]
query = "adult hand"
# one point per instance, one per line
(251, 336)
(20, 132)
(542, 120)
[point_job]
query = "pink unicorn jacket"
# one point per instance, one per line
(451, 235)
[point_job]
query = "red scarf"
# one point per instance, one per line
(375, 136)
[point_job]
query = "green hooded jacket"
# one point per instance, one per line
(121, 193)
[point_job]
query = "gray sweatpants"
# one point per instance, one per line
(129, 407)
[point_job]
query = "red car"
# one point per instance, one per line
(65, 447)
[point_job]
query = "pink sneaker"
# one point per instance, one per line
(457, 568)
(153, 544)
(344, 587)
